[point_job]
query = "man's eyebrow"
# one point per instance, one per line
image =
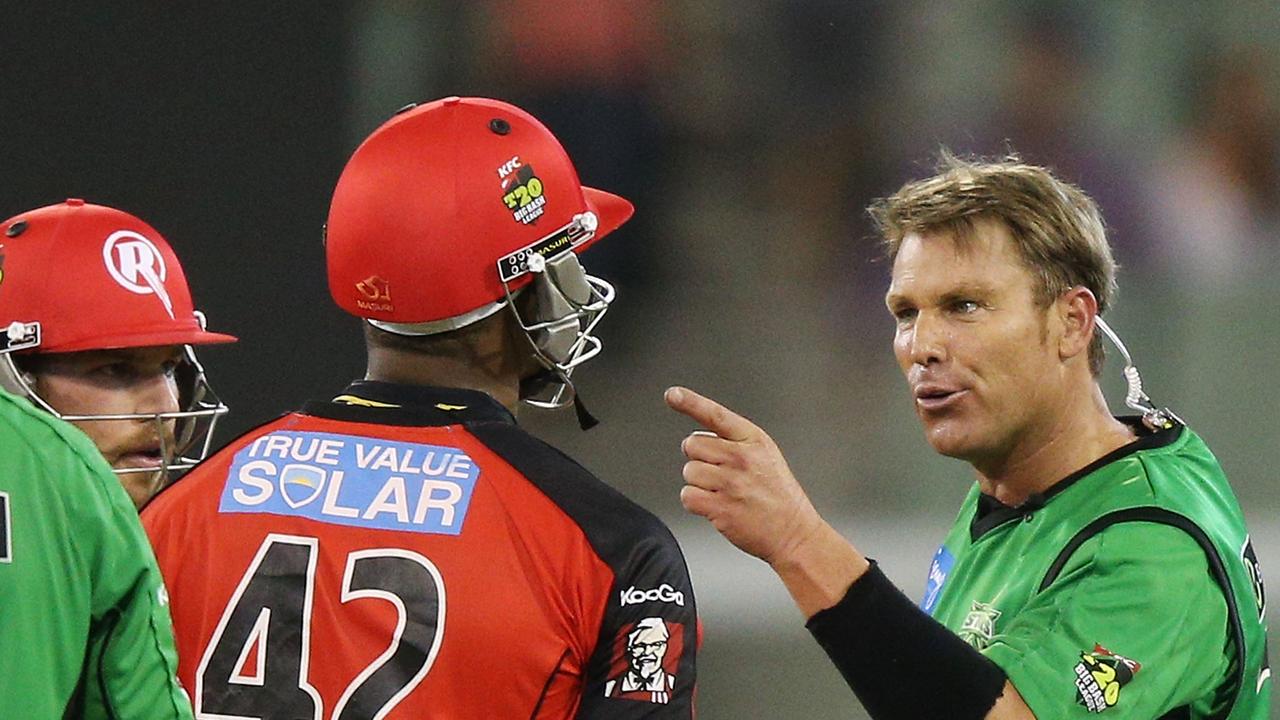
(894, 300)
(967, 290)
(113, 355)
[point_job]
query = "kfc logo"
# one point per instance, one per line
(507, 168)
(136, 265)
(644, 668)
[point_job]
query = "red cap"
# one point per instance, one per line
(436, 196)
(95, 278)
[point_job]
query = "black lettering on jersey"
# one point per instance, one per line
(6, 525)
(414, 586)
(256, 663)
(1251, 566)
(270, 616)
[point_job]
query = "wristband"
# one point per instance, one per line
(900, 662)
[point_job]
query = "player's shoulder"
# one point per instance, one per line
(1160, 546)
(1167, 467)
(1185, 467)
(1174, 470)
(1142, 552)
(605, 515)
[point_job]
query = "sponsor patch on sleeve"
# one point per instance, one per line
(1100, 675)
(352, 480)
(939, 569)
(645, 660)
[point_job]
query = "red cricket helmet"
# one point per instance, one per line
(77, 276)
(451, 207)
(436, 196)
(95, 278)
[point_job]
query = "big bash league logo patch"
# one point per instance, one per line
(522, 191)
(1100, 675)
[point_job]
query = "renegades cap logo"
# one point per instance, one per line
(136, 265)
(1099, 677)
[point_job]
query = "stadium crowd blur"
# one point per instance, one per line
(751, 136)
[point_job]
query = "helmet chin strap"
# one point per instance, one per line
(586, 420)
(531, 386)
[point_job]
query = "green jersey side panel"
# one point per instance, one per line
(84, 627)
(1129, 588)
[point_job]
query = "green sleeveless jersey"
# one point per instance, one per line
(84, 627)
(1128, 588)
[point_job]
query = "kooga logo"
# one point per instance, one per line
(663, 593)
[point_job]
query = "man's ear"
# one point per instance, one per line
(1077, 310)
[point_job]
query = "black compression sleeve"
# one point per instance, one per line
(901, 663)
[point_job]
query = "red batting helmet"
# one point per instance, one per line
(451, 207)
(77, 276)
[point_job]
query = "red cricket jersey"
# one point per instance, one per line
(409, 552)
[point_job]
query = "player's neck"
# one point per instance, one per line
(490, 375)
(1082, 433)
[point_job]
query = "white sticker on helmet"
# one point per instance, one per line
(137, 265)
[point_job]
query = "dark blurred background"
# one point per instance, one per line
(751, 135)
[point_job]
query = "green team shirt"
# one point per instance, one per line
(84, 627)
(1129, 588)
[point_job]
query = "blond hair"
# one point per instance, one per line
(1057, 229)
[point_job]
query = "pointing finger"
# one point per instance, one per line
(710, 414)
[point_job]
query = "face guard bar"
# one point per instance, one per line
(193, 426)
(563, 311)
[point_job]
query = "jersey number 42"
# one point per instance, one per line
(256, 663)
